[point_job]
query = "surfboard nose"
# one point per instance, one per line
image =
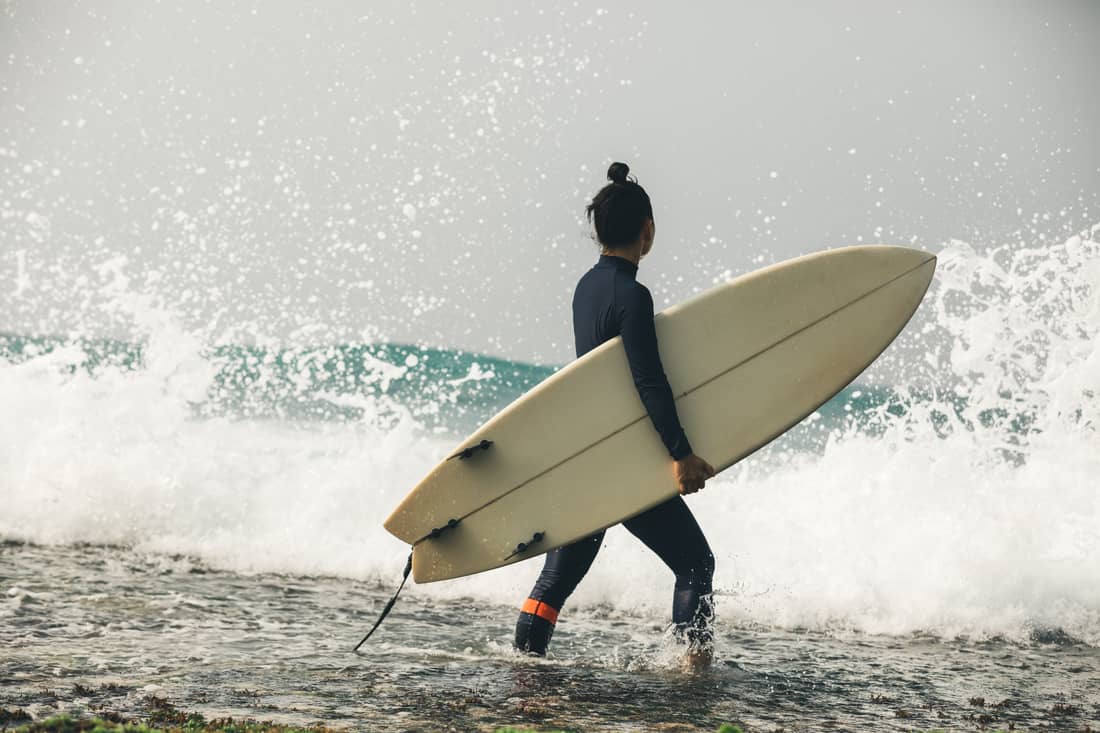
(923, 266)
(903, 258)
(914, 265)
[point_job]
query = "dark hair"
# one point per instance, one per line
(620, 209)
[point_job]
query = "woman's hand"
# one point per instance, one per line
(692, 473)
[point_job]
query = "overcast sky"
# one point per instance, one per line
(417, 172)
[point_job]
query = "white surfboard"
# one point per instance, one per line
(746, 360)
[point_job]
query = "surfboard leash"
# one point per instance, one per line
(389, 606)
(436, 532)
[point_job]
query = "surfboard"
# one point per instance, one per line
(747, 360)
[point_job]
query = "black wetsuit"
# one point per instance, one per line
(609, 302)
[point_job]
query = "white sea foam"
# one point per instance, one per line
(961, 517)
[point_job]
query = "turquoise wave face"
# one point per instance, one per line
(443, 390)
(449, 392)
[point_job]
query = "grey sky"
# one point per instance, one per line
(417, 172)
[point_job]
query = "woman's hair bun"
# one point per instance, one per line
(617, 172)
(620, 209)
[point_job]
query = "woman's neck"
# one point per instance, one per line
(630, 254)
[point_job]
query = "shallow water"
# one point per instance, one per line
(202, 524)
(125, 625)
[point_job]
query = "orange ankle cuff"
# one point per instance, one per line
(540, 609)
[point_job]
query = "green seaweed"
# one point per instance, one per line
(181, 723)
(175, 721)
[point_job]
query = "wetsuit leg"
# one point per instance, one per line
(562, 571)
(670, 530)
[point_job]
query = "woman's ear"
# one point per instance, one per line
(649, 231)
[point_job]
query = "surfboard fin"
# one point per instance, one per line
(467, 452)
(524, 546)
(451, 524)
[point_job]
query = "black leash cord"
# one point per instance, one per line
(389, 606)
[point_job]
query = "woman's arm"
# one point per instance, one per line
(640, 343)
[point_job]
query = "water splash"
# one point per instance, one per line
(957, 501)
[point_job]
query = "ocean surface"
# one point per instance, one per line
(201, 522)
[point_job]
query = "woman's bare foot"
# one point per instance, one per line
(697, 659)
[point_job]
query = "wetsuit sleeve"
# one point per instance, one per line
(640, 344)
